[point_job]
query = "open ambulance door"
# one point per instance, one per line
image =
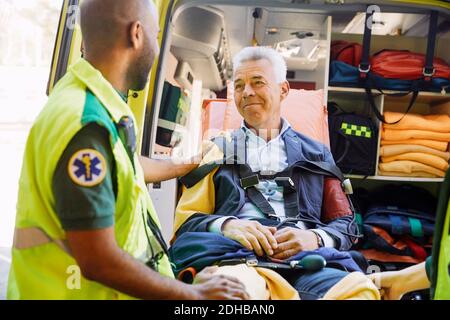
(68, 38)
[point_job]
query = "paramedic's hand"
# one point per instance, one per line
(218, 287)
(252, 235)
(156, 170)
(394, 284)
(292, 241)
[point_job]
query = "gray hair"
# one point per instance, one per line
(258, 53)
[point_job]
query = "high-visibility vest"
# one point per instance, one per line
(442, 280)
(42, 266)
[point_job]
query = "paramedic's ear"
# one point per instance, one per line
(284, 86)
(136, 35)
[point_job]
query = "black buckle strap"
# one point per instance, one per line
(364, 68)
(364, 65)
(250, 181)
(285, 182)
(261, 202)
(429, 70)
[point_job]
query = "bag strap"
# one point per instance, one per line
(320, 167)
(428, 70)
(193, 177)
(364, 65)
(371, 100)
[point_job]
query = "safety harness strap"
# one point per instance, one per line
(192, 178)
(250, 179)
(248, 182)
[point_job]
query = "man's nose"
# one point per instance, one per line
(248, 91)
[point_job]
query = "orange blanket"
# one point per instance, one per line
(432, 122)
(389, 134)
(410, 167)
(417, 174)
(392, 150)
(424, 158)
(438, 145)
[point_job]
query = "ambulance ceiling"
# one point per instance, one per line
(241, 25)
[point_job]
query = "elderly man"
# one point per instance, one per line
(268, 193)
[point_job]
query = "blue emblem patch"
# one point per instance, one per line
(87, 167)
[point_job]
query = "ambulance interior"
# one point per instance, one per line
(194, 94)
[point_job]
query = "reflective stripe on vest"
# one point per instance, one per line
(26, 238)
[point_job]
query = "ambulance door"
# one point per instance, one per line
(67, 43)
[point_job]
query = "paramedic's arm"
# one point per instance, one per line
(161, 170)
(394, 284)
(87, 214)
(101, 260)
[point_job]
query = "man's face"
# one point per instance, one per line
(150, 50)
(257, 93)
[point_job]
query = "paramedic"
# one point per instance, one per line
(85, 226)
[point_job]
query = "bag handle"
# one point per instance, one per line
(371, 100)
(346, 149)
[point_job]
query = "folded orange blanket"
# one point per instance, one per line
(389, 134)
(392, 150)
(431, 122)
(438, 145)
(424, 158)
(418, 174)
(410, 167)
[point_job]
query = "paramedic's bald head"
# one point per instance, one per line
(121, 32)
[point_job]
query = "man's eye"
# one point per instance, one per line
(238, 87)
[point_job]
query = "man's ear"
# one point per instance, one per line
(136, 35)
(284, 86)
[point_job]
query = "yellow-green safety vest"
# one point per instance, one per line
(442, 290)
(42, 267)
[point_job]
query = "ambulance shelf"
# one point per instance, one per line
(389, 178)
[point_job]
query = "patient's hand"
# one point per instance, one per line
(292, 241)
(252, 235)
